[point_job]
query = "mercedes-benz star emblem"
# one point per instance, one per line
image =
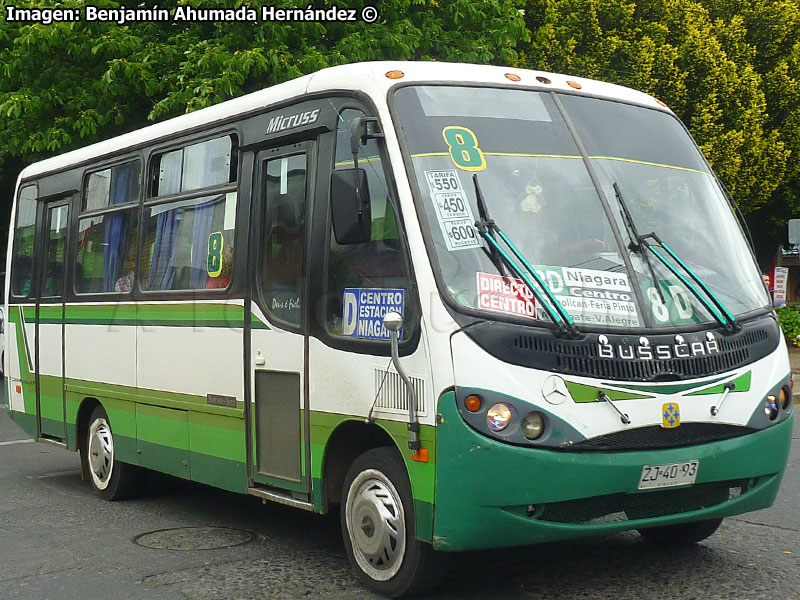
(555, 390)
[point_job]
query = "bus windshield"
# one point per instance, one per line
(552, 169)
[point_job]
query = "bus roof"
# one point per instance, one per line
(369, 77)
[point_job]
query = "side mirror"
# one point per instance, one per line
(360, 132)
(351, 207)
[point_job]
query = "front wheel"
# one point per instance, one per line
(111, 479)
(377, 513)
(683, 534)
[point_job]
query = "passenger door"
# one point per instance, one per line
(282, 186)
(49, 328)
(357, 283)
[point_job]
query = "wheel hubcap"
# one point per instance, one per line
(101, 453)
(376, 525)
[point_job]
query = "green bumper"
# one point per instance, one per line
(486, 490)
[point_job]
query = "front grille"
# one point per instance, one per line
(655, 436)
(540, 349)
(624, 507)
(583, 359)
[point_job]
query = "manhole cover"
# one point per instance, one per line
(194, 538)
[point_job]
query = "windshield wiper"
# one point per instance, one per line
(487, 229)
(636, 244)
(641, 243)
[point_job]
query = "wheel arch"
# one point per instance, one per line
(85, 409)
(348, 440)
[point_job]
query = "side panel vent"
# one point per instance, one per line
(393, 395)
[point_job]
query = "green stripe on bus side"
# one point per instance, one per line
(27, 383)
(143, 315)
(422, 475)
(256, 323)
(26, 421)
(166, 399)
(15, 317)
(28, 312)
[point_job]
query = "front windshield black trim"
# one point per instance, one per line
(465, 316)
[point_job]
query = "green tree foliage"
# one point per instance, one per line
(65, 84)
(704, 63)
(730, 69)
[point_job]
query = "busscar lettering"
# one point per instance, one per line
(45, 16)
(282, 122)
(659, 351)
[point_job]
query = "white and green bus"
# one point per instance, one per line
(466, 306)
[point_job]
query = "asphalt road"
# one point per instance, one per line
(59, 541)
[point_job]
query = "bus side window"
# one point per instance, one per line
(282, 258)
(106, 247)
(188, 240)
(22, 262)
(378, 264)
(54, 253)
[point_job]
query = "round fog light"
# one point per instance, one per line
(498, 417)
(771, 407)
(532, 426)
(786, 398)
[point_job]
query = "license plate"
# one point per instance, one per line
(661, 476)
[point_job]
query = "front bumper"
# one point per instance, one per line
(491, 494)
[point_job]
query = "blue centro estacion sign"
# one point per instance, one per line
(364, 308)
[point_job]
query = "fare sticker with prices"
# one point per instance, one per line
(453, 210)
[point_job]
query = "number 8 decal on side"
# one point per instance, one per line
(464, 150)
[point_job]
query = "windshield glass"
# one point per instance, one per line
(536, 178)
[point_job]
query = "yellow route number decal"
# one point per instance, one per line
(464, 149)
(214, 266)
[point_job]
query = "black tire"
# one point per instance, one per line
(110, 478)
(376, 499)
(684, 534)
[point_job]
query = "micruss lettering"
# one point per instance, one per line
(281, 122)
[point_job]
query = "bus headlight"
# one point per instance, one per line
(498, 417)
(771, 407)
(532, 426)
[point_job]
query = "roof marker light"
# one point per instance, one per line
(395, 74)
(541, 79)
(512, 77)
(574, 84)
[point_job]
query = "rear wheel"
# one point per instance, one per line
(683, 534)
(377, 513)
(111, 479)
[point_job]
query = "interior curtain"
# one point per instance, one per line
(116, 228)
(203, 220)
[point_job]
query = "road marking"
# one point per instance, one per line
(15, 442)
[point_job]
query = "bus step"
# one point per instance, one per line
(280, 497)
(55, 441)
